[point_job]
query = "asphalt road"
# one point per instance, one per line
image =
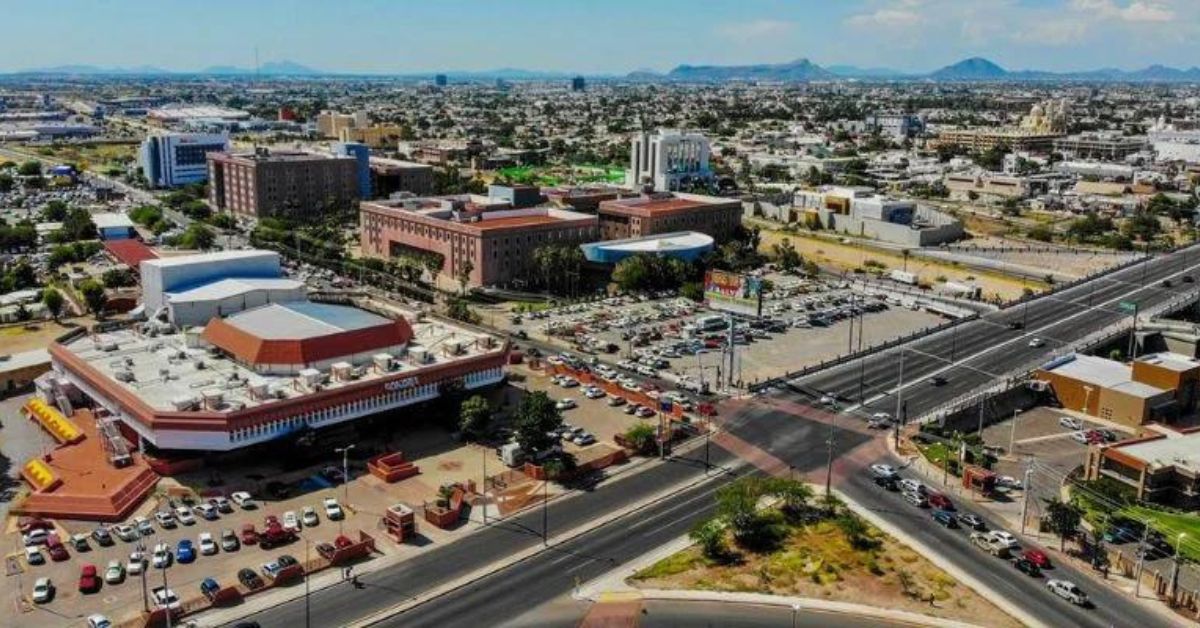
(343, 604)
(979, 351)
(672, 614)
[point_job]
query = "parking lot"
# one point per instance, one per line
(682, 341)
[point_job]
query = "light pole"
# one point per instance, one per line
(345, 451)
(829, 456)
(1141, 554)
(1175, 567)
(899, 400)
(306, 589)
(1012, 434)
(1025, 497)
(545, 512)
(483, 451)
(795, 610)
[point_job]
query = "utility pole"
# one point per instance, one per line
(899, 400)
(1137, 572)
(1012, 434)
(982, 398)
(307, 615)
(1175, 568)
(485, 483)
(545, 512)
(829, 457)
(1025, 495)
(1133, 334)
(345, 451)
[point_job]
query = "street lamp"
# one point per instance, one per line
(1012, 435)
(795, 609)
(1175, 567)
(345, 451)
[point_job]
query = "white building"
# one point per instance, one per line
(164, 277)
(670, 159)
(897, 126)
(174, 159)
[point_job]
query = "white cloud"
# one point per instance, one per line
(754, 30)
(1133, 12)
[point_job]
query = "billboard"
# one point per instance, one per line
(734, 293)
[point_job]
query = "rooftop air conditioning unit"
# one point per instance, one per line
(123, 376)
(108, 347)
(199, 364)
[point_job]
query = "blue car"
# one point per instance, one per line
(184, 552)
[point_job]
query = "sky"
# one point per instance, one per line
(597, 36)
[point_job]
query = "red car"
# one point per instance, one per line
(249, 535)
(1036, 557)
(27, 525)
(270, 520)
(937, 501)
(58, 552)
(88, 581)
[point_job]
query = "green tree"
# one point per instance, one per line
(1063, 519)
(55, 211)
(710, 536)
(473, 416)
(535, 418)
(752, 528)
(794, 495)
(93, 295)
(197, 236)
(54, 302)
(78, 225)
(1142, 226)
(1041, 233)
(6, 182)
(641, 437)
(117, 278)
(30, 169)
(460, 310)
(786, 255)
(464, 275)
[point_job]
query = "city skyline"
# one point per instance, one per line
(375, 38)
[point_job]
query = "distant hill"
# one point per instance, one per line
(270, 68)
(973, 69)
(851, 71)
(798, 70)
(87, 70)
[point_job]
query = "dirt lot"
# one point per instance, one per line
(817, 560)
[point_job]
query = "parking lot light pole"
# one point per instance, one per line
(1175, 568)
(1012, 434)
(795, 609)
(829, 456)
(1025, 496)
(345, 451)
(899, 400)
(1141, 554)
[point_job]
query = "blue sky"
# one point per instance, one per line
(597, 36)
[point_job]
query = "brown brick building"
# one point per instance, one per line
(1155, 387)
(667, 212)
(488, 232)
(281, 184)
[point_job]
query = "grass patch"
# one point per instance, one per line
(672, 565)
(1171, 525)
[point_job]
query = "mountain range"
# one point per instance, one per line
(799, 70)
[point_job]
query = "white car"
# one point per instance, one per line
(33, 555)
(1070, 423)
(164, 597)
(161, 559)
(185, 515)
(208, 546)
(115, 573)
(1068, 591)
(126, 533)
(333, 510)
(565, 404)
(137, 564)
(883, 471)
(42, 591)
(243, 499)
(1080, 437)
(594, 393)
(165, 519)
(308, 516)
(826, 400)
(98, 621)
(1008, 481)
(1037, 342)
(1004, 539)
(568, 382)
(291, 521)
(908, 485)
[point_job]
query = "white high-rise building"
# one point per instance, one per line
(174, 159)
(669, 159)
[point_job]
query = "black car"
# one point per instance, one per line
(972, 522)
(249, 579)
(1186, 279)
(937, 380)
(287, 561)
(1016, 325)
(1026, 566)
(888, 483)
(333, 474)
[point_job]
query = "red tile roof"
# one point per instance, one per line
(253, 349)
(129, 252)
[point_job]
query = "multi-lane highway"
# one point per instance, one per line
(788, 428)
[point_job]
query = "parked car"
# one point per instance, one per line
(208, 545)
(243, 500)
(333, 474)
(308, 517)
(222, 504)
(565, 404)
(102, 536)
(209, 588)
(126, 533)
(161, 558)
(291, 521)
(25, 525)
(57, 551)
(1070, 423)
(165, 598)
(89, 582)
(208, 512)
(249, 534)
(1080, 437)
(1068, 591)
(229, 541)
(644, 412)
(249, 579)
(136, 564)
(43, 591)
(616, 401)
(115, 573)
(33, 555)
(35, 537)
(333, 510)
(98, 621)
(144, 527)
(165, 519)
(184, 514)
(185, 552)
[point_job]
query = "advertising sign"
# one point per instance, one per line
(734, 293)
